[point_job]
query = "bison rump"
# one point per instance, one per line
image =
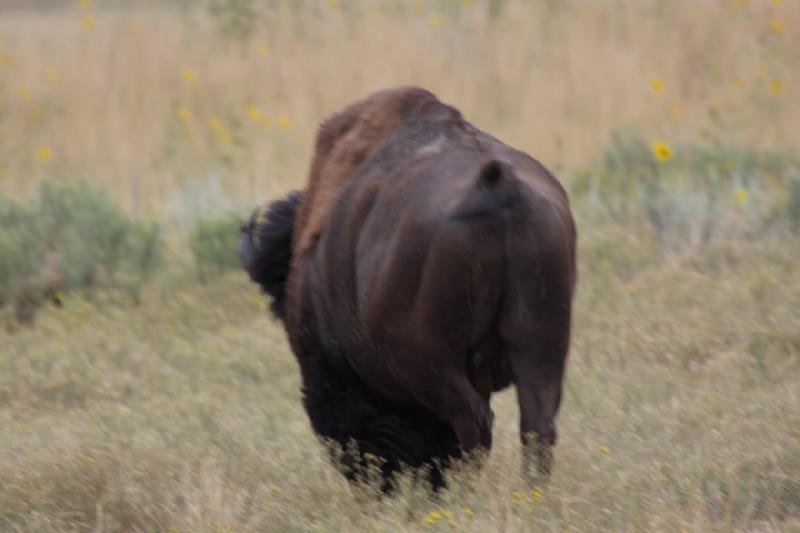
(427, 265)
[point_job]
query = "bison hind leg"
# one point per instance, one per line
(265, 247)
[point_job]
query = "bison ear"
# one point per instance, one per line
(490, 174)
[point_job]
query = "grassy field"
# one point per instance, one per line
(175, 406)
(681, 413)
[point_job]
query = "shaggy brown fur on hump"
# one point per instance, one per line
(344, 142)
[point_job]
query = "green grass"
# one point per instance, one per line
(182, 413)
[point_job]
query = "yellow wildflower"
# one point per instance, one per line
(738, 82)
(432, 517)
(469, 512)
(776, 87)
(777, 26)
(188, 75)
(605, 449)
(88, 21)
(262, 49)
(536, 494)
(662, 151)
(284, 122)
(84, 4)
(740, 196)
(656, 85)
(222, 133)
(51, 76)
(44, 154)
(517, 496)
(776, 3)
(185, 113)
(5, 58)
(435, 20)
(254, 113)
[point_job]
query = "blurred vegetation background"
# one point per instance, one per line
(183, 110)
(155, 395)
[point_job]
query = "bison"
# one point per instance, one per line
(425, 265)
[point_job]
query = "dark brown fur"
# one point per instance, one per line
(430, 265)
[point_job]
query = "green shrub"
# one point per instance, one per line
(98, 243)
(73, 237)
(496, 8)
(696, 194)
(237, 19)
(20, 248)
(793, 208)
(213, 242)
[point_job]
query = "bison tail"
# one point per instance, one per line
(265, 248)
(495, 190)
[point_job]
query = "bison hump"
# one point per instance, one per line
(372, 136)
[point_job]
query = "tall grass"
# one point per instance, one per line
(149, 97)
(183, 413)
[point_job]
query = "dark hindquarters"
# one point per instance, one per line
(265, 248)
(365, 424)
(535, 324)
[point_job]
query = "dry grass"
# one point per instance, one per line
(553, 78)
(182, 413)
(681, 414)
